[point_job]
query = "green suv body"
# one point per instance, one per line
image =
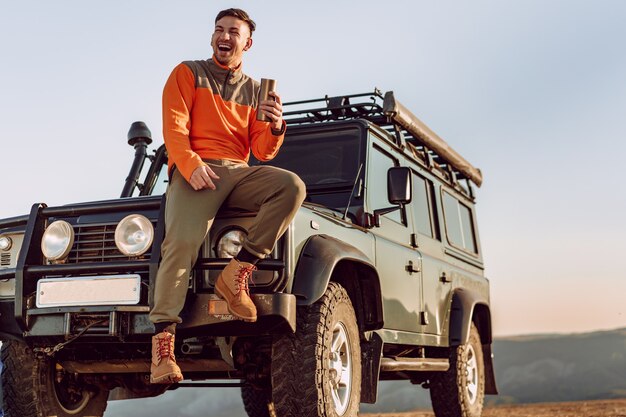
(379, 277)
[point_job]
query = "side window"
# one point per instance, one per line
(422, 205)
(161, 183)
(379, 163)
(467, 224)
(459, 224)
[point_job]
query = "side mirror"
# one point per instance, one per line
(399, 185)
(399, 191)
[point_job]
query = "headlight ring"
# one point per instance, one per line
(134, 235)
(5, 243)
(230, 243)
(57, 240)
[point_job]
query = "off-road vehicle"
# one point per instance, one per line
(379, 277)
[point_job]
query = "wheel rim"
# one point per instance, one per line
(471, 375)
(340, 365)
(72, 399)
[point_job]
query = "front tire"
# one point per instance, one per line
(460, 391)
(257, 400)
(317, 371)
(40, 388)
(17, 394)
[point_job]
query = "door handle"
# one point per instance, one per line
(410, 267)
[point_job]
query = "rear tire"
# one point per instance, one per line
(39, 388)
(460, 391)
(317, 371)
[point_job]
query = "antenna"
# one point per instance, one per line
(356, 181)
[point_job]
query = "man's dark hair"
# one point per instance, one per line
(239, 14)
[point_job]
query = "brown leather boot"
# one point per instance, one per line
(163, 369)
(232, 286)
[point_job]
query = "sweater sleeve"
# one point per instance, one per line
(264, 143)
(178, 97)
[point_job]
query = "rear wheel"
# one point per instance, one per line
(460, 392)
(317, 371)
(41, 388)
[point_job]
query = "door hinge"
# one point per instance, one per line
(424, 318)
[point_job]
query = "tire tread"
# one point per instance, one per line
(297, 383)
(19, 398)
(446, 390)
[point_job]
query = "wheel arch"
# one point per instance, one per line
(324, 259)
(468, 308)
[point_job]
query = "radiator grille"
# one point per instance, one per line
(96, 243)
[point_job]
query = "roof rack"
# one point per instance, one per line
(392, 116)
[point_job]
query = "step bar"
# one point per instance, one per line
(414, 364)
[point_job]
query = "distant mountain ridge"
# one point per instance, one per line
(529, 369)
(538, 368)
(574, 367)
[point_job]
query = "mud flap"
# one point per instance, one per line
(371, 353)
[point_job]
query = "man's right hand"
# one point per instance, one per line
(202, 177)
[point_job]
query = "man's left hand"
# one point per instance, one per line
(274, 110)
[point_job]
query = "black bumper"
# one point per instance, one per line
(276, 311)
(203, 315)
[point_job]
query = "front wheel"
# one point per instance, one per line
(460, 391)
(257, 400)
(317, 371)
(41, 388)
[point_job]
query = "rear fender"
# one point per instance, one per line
(466, 308)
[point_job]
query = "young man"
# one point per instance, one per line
(209, 128)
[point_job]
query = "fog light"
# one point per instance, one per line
(134, 235)
(57, 240)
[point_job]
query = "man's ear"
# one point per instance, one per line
(248, 44)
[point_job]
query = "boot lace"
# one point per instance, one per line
(166, 346)
(243, 275)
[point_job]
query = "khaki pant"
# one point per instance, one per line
(274, 193)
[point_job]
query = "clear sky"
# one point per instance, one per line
(531, 91)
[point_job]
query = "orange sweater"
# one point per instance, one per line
(209, 112)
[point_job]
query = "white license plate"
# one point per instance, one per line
(89, 291)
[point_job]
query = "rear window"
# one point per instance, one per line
(459, 224)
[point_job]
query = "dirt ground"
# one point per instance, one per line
(602, 408)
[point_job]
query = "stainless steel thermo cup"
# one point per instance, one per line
(267, 85)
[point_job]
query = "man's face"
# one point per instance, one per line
(230, 39)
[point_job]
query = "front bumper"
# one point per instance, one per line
(204, 314)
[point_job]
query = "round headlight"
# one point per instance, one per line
(57, 240)
(5, 243)
(134, 235)
(230, 243)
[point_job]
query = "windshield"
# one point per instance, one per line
(160, 184)
(326, 160)
(323, 158)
